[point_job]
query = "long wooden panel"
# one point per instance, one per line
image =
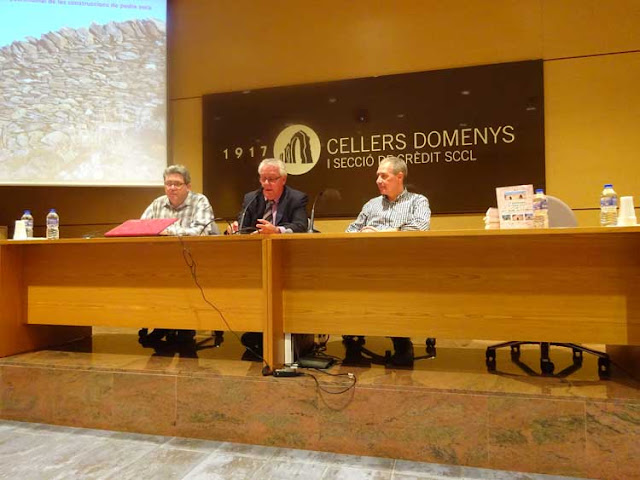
(186, 123)
(574, 28)
(568, 285)
(15, 335)
(252, 44)
(274, 348)
(146, 283)
(591, 112)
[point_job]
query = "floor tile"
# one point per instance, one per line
(247, 450)
(56, 460)
(277, 470)
(355, 461)
(403, 476)
(49, 452)
(424, 470)
(350, 473)
(7, 426)
(194, 444)
(22, 454)
(160, 464)
(221, 466)
(112, 455)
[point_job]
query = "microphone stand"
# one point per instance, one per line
(241, 228)
(213, 220)
(313, 211)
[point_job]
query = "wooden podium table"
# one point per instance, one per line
(561, 285)
(133, 282)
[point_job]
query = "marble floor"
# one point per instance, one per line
(39, 451)
(574, 424)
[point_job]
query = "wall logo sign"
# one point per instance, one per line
(298, 146)
(462, 132)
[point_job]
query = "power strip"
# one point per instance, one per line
(315, 362)
(286, 372)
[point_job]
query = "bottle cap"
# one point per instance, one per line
(52, 210)
(608, 185)
(27, 212)
(539, 190)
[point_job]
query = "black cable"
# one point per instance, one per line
(213, 220)
(338, 392)
(319, 350)
(322, 346)
(350, 375)
(318, 386)
(191, 263)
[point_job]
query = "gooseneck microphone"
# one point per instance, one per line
(213, 220)
(229, 230)
(241, 227)
(330, 193)
(313, 211)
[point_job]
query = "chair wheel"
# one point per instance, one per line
(577, 357)
(491, 360)
(547, 367)
(143, 332)
(431, 342)
(491, 364)
(515, 352)
(171, 336)
(604, 367)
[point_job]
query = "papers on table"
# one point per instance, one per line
(492, 219)
(515, 206)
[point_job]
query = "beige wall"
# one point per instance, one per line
(591, 50)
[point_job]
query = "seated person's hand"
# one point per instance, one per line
(232, 228)
(267, 227)
(369, 229)
(170, 230)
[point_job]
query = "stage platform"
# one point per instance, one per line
(447, 409)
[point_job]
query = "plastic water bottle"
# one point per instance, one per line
(540, 210)
(53, 225)
(608, 206)
(27, 218)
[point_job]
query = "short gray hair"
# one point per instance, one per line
(276, 162)
(397, 165)
(179, 169)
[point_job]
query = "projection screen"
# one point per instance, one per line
(82, 92)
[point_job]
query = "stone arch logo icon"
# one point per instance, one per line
(298, 146)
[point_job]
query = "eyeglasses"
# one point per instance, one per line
(269, 179)
(173, 184)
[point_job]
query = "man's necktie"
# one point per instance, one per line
(268, 212)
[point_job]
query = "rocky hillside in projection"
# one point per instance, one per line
(85, 103)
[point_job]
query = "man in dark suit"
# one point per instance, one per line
(275, 207)
(272, 209)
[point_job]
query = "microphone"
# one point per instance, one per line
(241, 227)
(228, 231)
(331, 193)
(313, 211)
(217, 219)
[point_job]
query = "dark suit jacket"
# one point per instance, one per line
(292, 210)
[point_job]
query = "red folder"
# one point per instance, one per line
(138, 227)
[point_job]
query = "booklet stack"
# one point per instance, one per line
(515, 206)
(492, 219)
